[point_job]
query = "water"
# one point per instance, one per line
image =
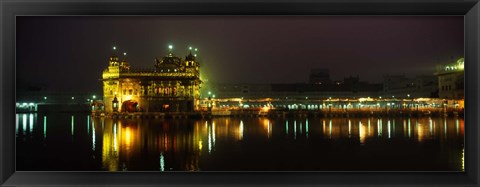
(78, 142)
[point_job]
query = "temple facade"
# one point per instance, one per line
(172, 85)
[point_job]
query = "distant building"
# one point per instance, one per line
(400, 86)
(451, 80)
(319, 76)
(172, 86)
(241, 90)
(348, 88)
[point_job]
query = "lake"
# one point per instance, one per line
(79, 142)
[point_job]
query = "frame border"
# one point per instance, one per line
(10, 9)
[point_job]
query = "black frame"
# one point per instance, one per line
(469, 8)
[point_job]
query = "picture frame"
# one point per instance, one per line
(10, 9)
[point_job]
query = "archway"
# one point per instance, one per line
(129, 106)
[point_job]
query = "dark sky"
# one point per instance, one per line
(70, 53)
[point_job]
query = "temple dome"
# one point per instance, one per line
(170, 62)
(190, 57)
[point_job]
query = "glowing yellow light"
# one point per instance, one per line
(240, 130)
(190, 48)
(125, 54)
(361, 133)
(114, 48)
(265, 109)
(420, 132)
(170, 47)
(213, 133)
(200, 145)
(128, 136)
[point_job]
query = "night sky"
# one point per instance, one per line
(70, 53)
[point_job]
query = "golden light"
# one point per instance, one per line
(128, 137)
(362, 133)
(109, 149)
(265, 109)
(240, 130)
(267, 126)
(365, 99)
(323, 127)
(128, 97)
(420, 132)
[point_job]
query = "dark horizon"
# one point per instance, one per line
(70, 53)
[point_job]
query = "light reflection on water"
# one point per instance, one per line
(164, 145)
(44, 127)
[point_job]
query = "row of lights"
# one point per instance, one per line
(124, 53)
(94, 97)
(169, 47)
(210, 94)
(189, 48)
(45, 98)
(25, 104)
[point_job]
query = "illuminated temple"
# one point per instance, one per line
(173, 85)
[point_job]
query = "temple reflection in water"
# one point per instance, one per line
(180, 144)
(238, 144)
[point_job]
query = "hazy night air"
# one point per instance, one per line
(70, 53)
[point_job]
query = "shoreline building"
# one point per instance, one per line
(451, 80)
(349, 87)
(401, 86)
(172, 86)
(319, 76)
